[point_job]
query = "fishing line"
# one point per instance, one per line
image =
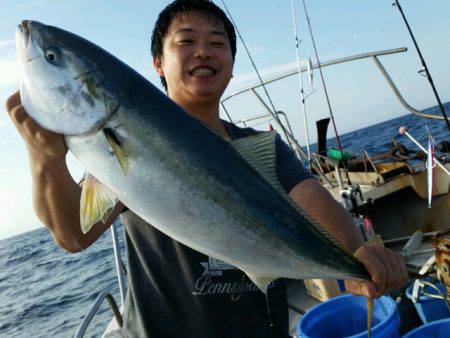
(274, 114)
(326, 92)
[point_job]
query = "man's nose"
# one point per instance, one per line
(203, 50)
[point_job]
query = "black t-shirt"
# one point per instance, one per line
(174, 291)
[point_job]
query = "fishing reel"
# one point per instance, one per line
(400, 153)
(351, 195)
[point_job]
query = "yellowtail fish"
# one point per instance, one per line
(221, 198)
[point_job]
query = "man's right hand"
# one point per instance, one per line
(56, 196)
(42, 144)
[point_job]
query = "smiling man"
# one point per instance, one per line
(174, 291)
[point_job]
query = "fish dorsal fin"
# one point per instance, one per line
(260, 152)
(96, 203)
(262, 282)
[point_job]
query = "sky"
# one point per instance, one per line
(359, 95)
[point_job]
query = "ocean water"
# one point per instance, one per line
(45, 292)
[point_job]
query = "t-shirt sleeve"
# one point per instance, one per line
(290, 170)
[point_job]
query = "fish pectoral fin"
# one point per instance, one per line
(117, 149)
(96, 203)
(261, 281)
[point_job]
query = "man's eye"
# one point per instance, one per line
(217, 43)
(186, 41)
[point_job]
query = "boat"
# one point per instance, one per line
(388, 187)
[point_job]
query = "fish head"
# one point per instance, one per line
(60, 83)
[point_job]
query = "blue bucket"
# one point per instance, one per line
(437, 329)
(346, 316)
(429, 309)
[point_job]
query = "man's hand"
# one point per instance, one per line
(41, 143)
(387, 269)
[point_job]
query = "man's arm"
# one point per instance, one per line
(56, 196)
(386, 268)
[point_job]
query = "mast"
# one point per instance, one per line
(425, 68)
(302, 92)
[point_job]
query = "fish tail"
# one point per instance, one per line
(369, 315)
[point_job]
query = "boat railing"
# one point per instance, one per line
(94, 309)
(105, 294)
(365, 155)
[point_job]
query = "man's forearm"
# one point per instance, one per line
(323, 208)
(56, 198)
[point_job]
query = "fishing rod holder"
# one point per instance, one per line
(420, 288)
(350, 195)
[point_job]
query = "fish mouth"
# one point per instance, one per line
(22, 36)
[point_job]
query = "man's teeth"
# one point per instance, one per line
(203, 72)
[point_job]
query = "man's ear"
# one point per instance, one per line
(157, 63)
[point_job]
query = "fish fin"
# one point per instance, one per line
(262, 282)
(96, 203)
(260, 152)
(117, 150)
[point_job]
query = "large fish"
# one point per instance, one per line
(219, 197)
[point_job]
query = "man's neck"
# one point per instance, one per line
(208, 113)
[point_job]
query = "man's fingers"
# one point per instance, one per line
(401, 269)
(368, 255)
(13, 101)
(392, 276)
(361, 288)
(18, 114)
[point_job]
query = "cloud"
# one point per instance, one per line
(31, 5)
(9, 65)
(7, 49)
(242, 81)
(6, 43)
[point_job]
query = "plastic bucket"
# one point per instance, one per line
(346, 316)
(437, 329)
(429, 309)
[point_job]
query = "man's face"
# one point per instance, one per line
(197, 61)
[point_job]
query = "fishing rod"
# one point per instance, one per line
(300, 79)
(330, 110)
(274, 111)
(425, 68)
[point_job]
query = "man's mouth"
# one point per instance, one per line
(203, 71)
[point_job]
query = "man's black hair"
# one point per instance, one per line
(173, 10)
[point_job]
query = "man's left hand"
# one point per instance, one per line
(386, 268)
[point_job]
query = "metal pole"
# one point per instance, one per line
(430, 79)
(302, 92)
(226, 111)
(290, 138)
(119, 266)
(402, 131)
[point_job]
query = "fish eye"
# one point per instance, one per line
(52, 55)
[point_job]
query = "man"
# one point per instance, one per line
(174, 291)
